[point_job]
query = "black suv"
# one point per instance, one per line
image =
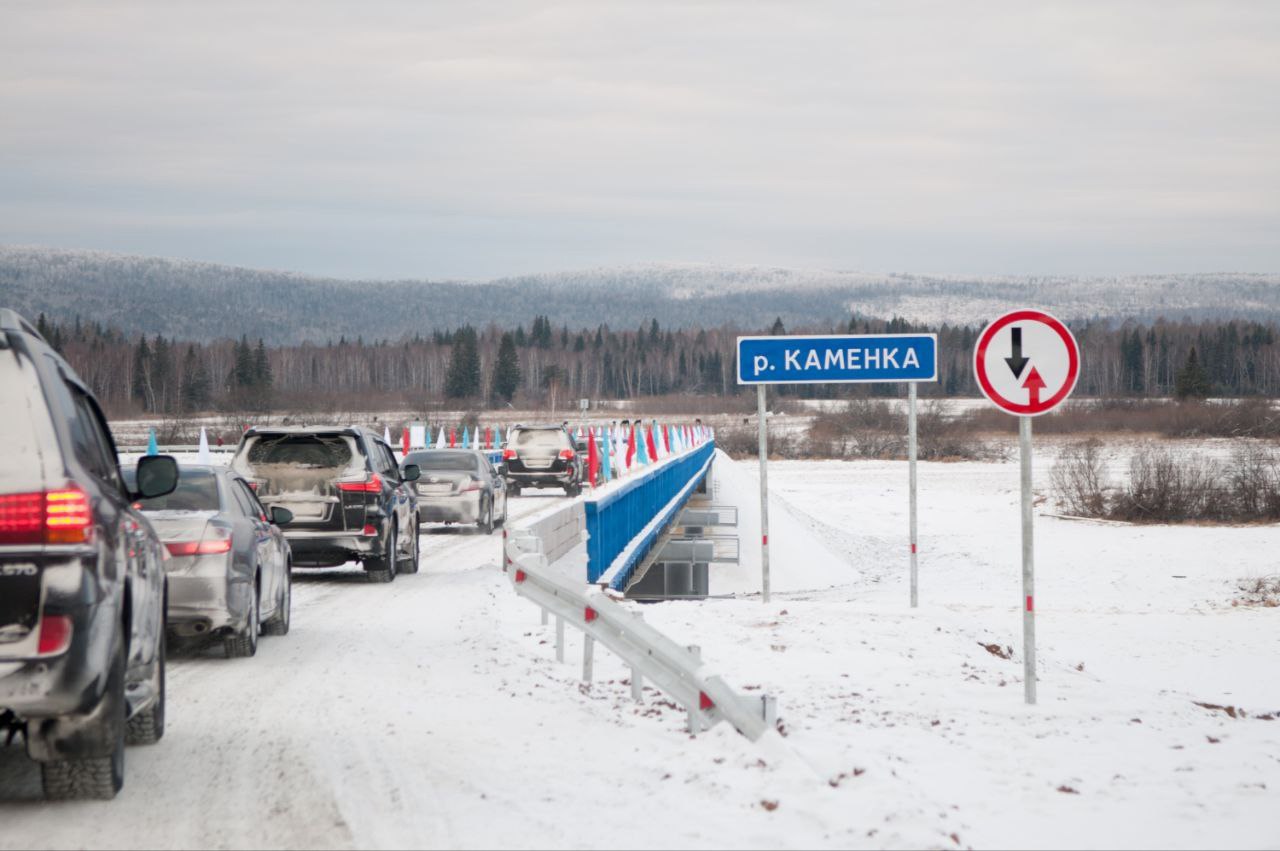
(541, 457)
(82, 583)
(349, 499)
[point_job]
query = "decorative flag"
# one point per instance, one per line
(442, 441)
(606, 467)
(488, 437)
(631, 447)
(202, 454)
(653, 449)
(466, 437)
(152, 447)
(386, 435)
(404, 444)
(666, 438)
(593, 458)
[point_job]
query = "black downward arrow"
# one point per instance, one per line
(1017, 363)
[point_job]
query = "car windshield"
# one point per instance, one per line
(302, 450)
(197, 490)
(461, 462)
(549, 438)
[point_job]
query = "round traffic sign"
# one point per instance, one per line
(1026, 362)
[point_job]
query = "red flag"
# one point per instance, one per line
(488, 437)
(631, 446)
(653, 449)
(453, 438)
(406, 440)
(666, 438)
(593, 457)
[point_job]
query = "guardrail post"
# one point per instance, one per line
(637, 686)
(588, 647)
(695, 721)
(559, 639)
(545, 614)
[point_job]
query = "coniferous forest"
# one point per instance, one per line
(490, 367)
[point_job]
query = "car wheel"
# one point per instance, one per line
(147, 727)
(244, 645)
(513, 490)
(383, 568)
(279, 623)
(485, 523)
(95, 778)
(411, 566)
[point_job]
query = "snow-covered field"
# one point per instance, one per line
(431, 712)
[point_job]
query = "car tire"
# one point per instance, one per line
(279, 622)
(244, 645)
(513, 490)
(383, 568)
(411, 566)
(573, 490)
(147, 727)
(94, 778)
(485, 523)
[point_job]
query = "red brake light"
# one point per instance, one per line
(199, 548)
(55, 635)
(568, 454)
(369, 530)
(373, 484)
(48, 517)
(472, 485)
(22, 518)
(508, 454)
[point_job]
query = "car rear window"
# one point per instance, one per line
(197, 490)
(22, 465)
(312, 451)
(461, 462)
(542, 439)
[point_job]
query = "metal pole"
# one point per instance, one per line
(1028, 566)
(911, 475)
(559, 639)
(637, 685)
(764, 492)
(588, 645)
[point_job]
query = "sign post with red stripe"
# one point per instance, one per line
(1027, 363)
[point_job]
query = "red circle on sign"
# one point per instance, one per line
(1073, 362)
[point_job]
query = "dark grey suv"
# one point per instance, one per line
(82, 582)
(348, 498)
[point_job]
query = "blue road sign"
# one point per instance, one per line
(841, 359)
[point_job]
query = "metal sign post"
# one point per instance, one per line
(911, 475)
(841, 359)
(1028, 566)
(764, 492)
(1027, 363)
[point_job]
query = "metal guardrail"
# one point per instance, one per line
(677, 670)
(624, 525)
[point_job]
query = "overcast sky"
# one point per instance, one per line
(472, 139)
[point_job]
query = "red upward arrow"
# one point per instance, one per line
(1034, 384)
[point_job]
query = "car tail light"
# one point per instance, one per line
(369, 531)
(214, 542)
(46, 517)
(373, 484)
(508, 454)
(68, 519)
(473, 484)
(55, 635)
(198, 548)
(568, 454)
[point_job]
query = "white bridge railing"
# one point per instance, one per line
(532, 548)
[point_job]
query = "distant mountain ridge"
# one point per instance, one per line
(191, 300)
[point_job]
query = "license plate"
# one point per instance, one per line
(434, 490)
(19, 600)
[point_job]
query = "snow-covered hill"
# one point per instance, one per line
(201, 301)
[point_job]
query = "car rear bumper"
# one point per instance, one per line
(329, 549)
(208, 605)
(461, 508)
(549, 479)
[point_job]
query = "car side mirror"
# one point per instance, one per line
(281, 515)
(156, 475)
(412, 472)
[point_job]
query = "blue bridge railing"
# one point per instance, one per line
(623, 526)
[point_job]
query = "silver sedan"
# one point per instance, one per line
(228, 564)
(459, 486)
